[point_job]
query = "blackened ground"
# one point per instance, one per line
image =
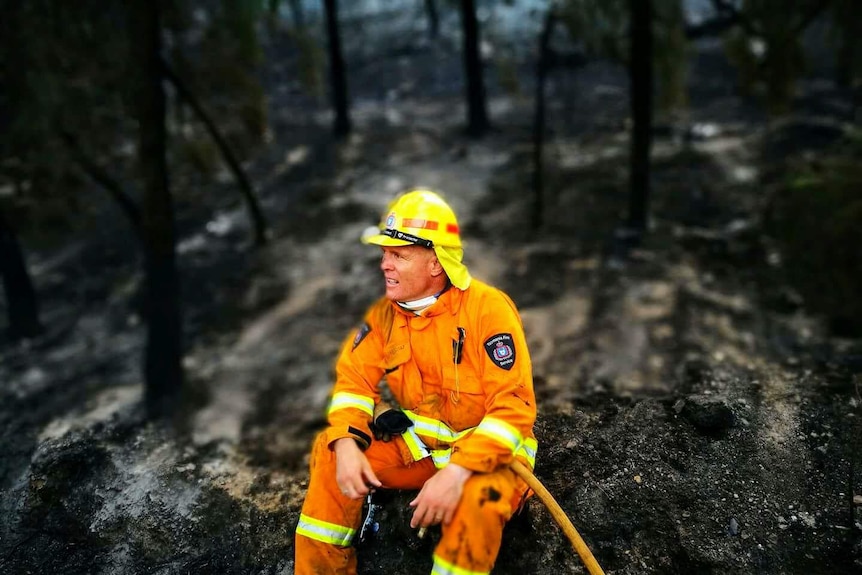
(693, 417)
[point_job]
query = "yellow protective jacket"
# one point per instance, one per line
(461, 371)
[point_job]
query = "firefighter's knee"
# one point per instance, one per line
(487, 496)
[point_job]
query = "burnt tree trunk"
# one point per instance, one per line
(337, 70)
(641, 95)
(433, 19)
(257, 219)
(162, 357)
(297, 14)
(477, 115)
(539, 122)
(22, 303)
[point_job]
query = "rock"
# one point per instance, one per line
(711, 416)
(733, 527)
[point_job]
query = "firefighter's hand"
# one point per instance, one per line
(439, 497)
(353, 473)
(388, 422)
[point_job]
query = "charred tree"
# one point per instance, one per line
(539, 121)
(162, 357)
(477, 115)
(433, 19)
(257, 219)
(641, 96)
(337, 70)
(847, 22)
(22, 303)
(297, 14)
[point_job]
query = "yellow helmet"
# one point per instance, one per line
(421, 217)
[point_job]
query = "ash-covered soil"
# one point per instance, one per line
(694, 418)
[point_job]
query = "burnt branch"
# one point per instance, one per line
(102, 178)
(258, 221)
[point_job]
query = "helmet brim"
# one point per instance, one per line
(381, 240)
(371, 235)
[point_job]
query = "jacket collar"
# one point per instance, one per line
(448, 301)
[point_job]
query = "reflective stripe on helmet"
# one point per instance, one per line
(419, 224)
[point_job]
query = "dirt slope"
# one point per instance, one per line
(693, 418)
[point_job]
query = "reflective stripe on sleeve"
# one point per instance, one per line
(430, 427)
(441, 457)
(500, 431)
(323, 531)
(434, 429)
(420, 451)
(527, 450)
(417, 447)
(496, 429)
(344, 400)
(443, 567)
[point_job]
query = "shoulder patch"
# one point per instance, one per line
(501, 350)
(363, 330)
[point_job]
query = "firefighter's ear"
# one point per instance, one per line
(436, 266)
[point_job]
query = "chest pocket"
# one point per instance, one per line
(463, 396)
(396, 349)
(395, 356)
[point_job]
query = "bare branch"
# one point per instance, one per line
(258, 221)
(713, 27)
(729, 10)
(811, 16)
(101, 177)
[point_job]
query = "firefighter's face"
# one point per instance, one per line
(411, 273)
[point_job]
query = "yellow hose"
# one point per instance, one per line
(559, 516)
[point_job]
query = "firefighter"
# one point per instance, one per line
(451, 351)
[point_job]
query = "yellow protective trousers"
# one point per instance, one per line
(469, 544)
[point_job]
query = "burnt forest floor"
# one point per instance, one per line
(693, 417)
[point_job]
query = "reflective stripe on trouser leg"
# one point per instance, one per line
(328, 521)
(470, 543)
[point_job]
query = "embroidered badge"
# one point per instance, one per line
(501, 350)
(363, 330)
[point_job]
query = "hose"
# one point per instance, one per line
(559, 516)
